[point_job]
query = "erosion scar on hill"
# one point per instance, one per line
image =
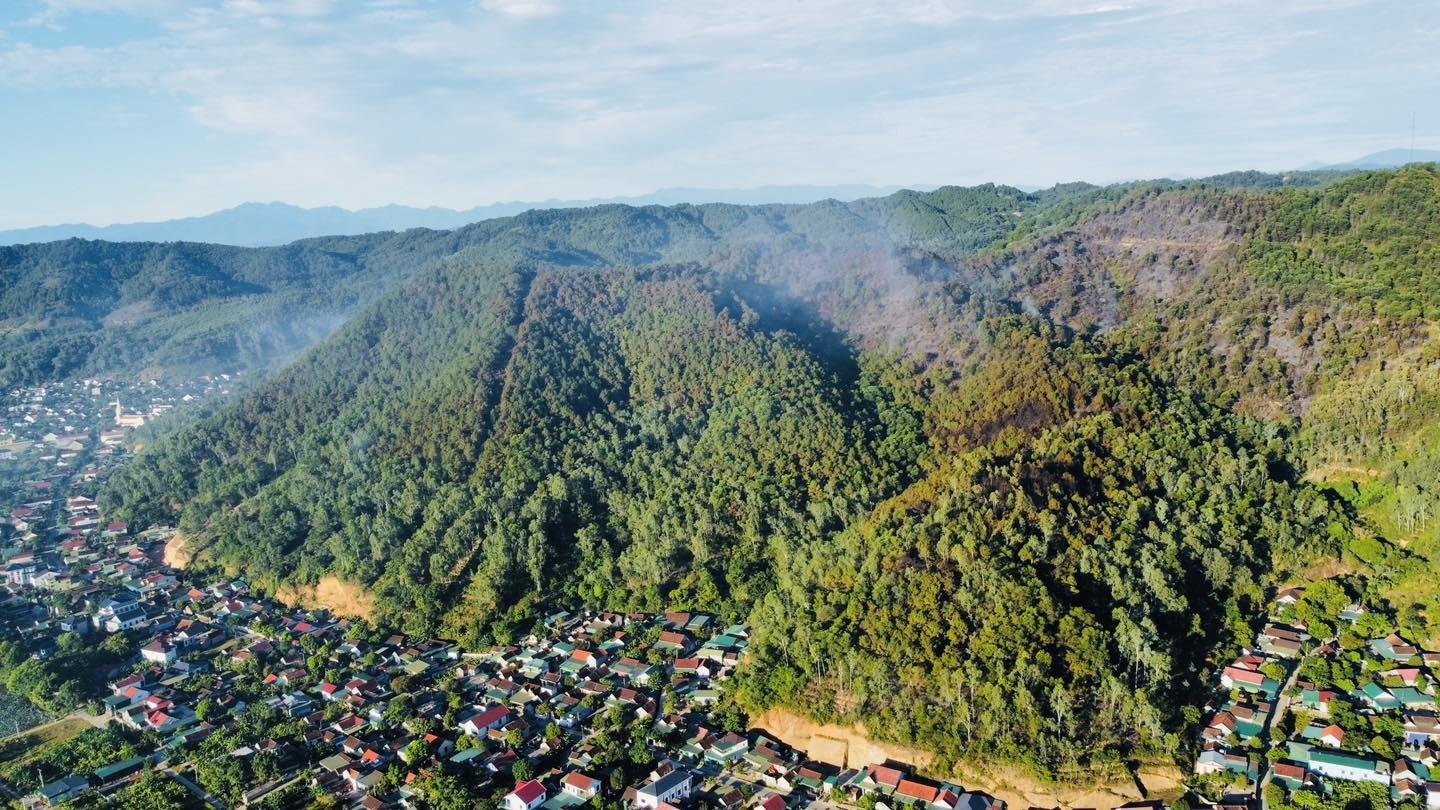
(332, 594)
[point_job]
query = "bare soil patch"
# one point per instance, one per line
(843, 746)
(850, 746)
(176, 554)
(333, 594)
(1100, 790)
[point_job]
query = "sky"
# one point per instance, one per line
(126, 110)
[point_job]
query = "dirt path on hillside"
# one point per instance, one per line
(850, 747)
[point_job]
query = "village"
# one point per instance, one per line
(313, 707)
(59, 440)
(232, 699)
(1330, 702)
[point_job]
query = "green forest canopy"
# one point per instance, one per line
(877, 430)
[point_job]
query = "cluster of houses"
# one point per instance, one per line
(368, 707)
(57, 443)
(109, 582)
(1266, 684)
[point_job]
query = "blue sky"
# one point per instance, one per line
(122, 110)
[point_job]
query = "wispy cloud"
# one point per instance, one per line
(521, 8)
(467, 101)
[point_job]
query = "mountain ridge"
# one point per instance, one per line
(1384, 159)
(257, 224)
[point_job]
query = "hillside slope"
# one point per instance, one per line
(82, 307)
(1004, 490)
(76, 307)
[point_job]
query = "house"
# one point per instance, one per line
(1317, 700)
(1339, 764)
(1377, 697)
(1290, 776)
(1393, 648)
(1413, 699)
(1243, 720)
(1421, 728)
(1408, 783)
(1210, 761)
(1282, 642)
(526, 796)
(580, 661)
(62, 790)
(772, 802)
(1234, 676)
(672, 642)
(882, 778)
(1333, 736)
(1409, 676)
(160, 651)
(580, 786)
(637, 672)
(692, 666)
(672, 788)
(119, 770)
(1218, 761)
(730, 748)
(115, 615)
(481, 722)
(912, 791)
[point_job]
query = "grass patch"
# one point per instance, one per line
(32, 744)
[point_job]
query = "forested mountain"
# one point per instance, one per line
(1006, 471)
(79, 306)
(274, 223)
(91, 307)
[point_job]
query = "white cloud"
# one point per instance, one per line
(521, 8)
(279, 114)
(52, 13)
(475, 100)
(280, 8)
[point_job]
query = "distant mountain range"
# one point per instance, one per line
(258, 224)
(255, 224)
(1388, 159)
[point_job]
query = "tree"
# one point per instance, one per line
(416, 751)
(69, 643)
(152, 791)
(400, 708)
(439, 791)
(522, 770)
